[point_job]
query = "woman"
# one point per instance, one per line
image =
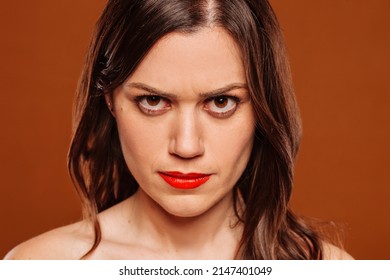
(186, 130)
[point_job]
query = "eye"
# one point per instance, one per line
(222, 106)
(152, 104)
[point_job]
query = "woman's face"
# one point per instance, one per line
(185, 121)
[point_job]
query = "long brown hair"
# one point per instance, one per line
(124, 34)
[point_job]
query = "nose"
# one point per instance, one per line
(186, 141)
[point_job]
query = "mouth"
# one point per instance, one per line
(180, 180)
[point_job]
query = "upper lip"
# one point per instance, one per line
(190, 175)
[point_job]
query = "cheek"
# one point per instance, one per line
(140, 146)
(232, 145)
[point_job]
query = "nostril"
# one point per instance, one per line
(186, 141)
(187, 148)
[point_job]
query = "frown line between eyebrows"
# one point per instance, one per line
(213, 93)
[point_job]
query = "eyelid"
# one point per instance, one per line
(232, 96)
(223, 114)
(138, 100)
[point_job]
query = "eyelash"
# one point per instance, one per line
(228, 113)
(146, 110)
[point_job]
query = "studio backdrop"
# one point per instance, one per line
(340, 56)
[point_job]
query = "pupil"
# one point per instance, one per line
(221, 102)
(153, 100)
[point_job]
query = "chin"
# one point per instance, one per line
(195, 206)
(185, 212)
(185, 208)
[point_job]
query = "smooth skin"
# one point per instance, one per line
(185, 108)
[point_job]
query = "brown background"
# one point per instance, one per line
(339, 51)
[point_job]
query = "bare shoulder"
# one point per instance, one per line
(68, 242)
(75, 240)
(332, 252)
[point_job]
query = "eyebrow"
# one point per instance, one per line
(213, 93)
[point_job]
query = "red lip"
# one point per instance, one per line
(180, 180)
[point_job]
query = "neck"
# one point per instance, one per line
(213, 234)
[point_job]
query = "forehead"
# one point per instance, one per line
(206, 59)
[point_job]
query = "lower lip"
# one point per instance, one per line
(184, 181)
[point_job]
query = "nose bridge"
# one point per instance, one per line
(187, 139)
